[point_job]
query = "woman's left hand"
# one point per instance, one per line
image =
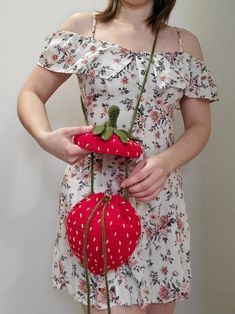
(147, 179)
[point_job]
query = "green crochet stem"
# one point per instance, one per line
(106, 129)
(106, 198)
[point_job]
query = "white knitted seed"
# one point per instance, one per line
(107, 241)
(108, 249)
(113, 262)
(90, 228)
(94, 239)
(120, 257)
(88, 208)
(115, 233)
(87, 144)
(97, 248)
(70, 229)
(128, 153)
(118, 216)
(74, 223)
(124, 226)
(80, 215)
(107, 150)
(127, 235)
(120, 243)
(82, 226)
(76, 232)
(111, 222)
(111, 257)
(129, 249)
(74, 239)
(99, 220)
(98, 148)
(119, 251)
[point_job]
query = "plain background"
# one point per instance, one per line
(30, 178)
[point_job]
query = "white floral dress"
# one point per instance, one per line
(159, 269)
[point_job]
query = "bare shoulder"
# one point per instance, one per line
(191, 43)
(79, 22)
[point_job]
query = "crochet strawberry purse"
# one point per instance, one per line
(103, 229)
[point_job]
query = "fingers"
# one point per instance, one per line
(78, 130)
(137, 177)
(138, 167)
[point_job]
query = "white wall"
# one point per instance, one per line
(31, 178)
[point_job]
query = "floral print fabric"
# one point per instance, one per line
(159, 269)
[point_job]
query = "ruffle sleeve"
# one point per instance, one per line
(199, 81)
(61, 52)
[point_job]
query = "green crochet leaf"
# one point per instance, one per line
(131, 137)
(108, 132)
(99, 129)
(121, 135)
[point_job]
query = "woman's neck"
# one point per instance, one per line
(135, 15)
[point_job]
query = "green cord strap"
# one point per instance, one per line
(105, 198)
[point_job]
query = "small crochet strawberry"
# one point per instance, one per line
(107, 139)
(121, 225)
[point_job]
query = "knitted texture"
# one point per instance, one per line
(122, 228)
(113, 146)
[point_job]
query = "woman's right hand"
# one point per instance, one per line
(60, 143)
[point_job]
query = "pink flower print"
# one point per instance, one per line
(204, 77)
(155, 116)
(175, 273)
(91, 74)
(164, 270)
(124, 80)
(89, 100)
(54, 57)
(164, 293)
(117, 60)
(93, 48)
(118, 178)
(157, 135)
(100, 296)
(86, 176)
(82, 286)
(69, 61)
(159, 101)
(61, 267)
(180, 223)
(148, 232)
(163, 222)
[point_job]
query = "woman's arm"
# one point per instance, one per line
(34, 94)
(148, 178)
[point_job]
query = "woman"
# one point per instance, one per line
(109, 52)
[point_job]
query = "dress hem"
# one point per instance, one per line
(184, 296)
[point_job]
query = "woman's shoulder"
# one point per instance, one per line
(190, 42)
(79, 22)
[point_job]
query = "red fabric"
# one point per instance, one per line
(113, 146)
(122, 227)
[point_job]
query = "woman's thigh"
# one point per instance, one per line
(166, 308)
(132, 309)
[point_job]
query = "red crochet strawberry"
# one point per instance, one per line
(84, 229)
(107, 139)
